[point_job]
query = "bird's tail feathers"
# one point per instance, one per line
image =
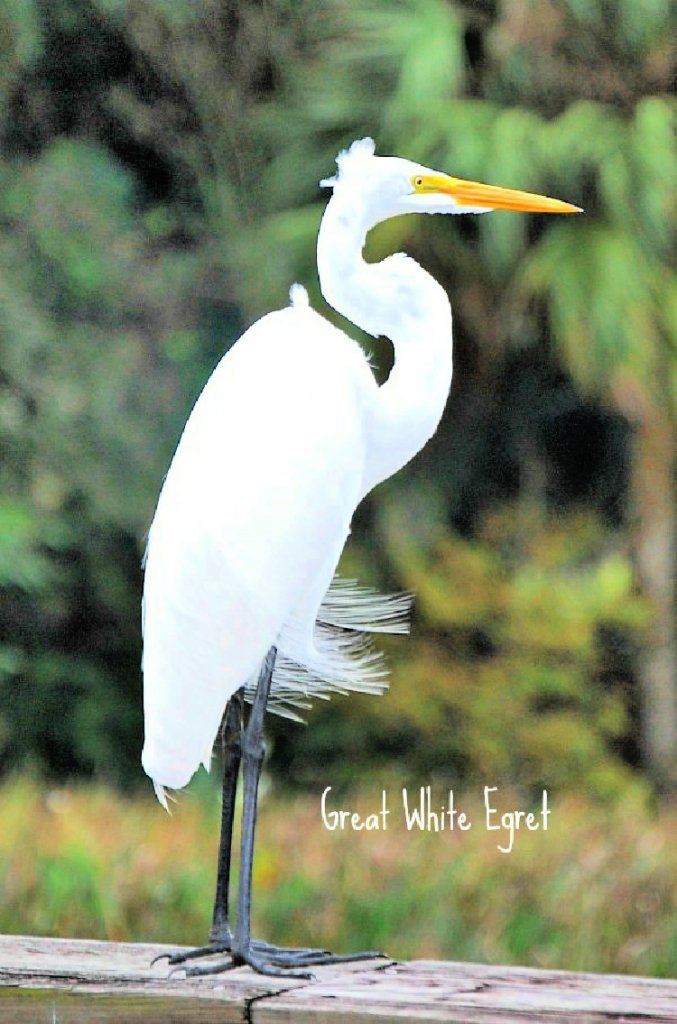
(163, 796)
(344, 658)
(348, 605)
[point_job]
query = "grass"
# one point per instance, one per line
(595, 892)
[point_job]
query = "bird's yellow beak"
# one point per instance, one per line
(489, 197)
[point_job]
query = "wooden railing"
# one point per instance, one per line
(76, 981)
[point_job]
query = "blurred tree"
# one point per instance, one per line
(96, 324)
(162, 192)
(589, 115)
(609, 288)
(513, 671)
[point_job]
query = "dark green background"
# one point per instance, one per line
(158, 192)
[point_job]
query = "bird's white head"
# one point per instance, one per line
(381, 297)
(382, 187)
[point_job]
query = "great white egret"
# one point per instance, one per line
(287, 437)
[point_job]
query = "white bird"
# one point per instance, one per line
(289, 434)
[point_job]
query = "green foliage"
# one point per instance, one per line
(78, 442)
(22, 564)
(594, 892)
(510, 674)
(609, 286)
(77, 205)
(19, 44)
(158, 191)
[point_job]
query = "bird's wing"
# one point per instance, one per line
(250, 524)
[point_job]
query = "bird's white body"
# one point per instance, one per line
(249, 527)
(289, 434)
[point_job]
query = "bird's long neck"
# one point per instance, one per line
(398, 299)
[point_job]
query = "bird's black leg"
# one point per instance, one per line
(231, 746)
(253, 751)
(264, 958)
(261, 956)
(220, 935)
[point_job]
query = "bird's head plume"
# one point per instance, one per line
(352, 161)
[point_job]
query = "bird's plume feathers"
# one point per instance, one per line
(350, 160)
(344, 659)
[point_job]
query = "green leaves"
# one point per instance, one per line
(654, 155)
(145, 224)
(76, 206)
(20, 43)
(607, 302)
(510, 631)
(426, 41)
(25, 541)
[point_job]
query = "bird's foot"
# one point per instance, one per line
(282, 963)
(182, 955)
(262, 957)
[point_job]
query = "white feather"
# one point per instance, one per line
(298, 296)
(252, 518)
(289, 434)
(351, 161)
(351, 606)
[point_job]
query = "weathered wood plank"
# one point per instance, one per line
(76, 981)
(59, 981)
(474, 993)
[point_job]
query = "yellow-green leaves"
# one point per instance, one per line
(508, 655)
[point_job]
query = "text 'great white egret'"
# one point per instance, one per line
(289, 434)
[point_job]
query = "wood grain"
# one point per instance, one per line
(77, 981)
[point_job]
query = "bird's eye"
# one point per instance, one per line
(418, 181)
